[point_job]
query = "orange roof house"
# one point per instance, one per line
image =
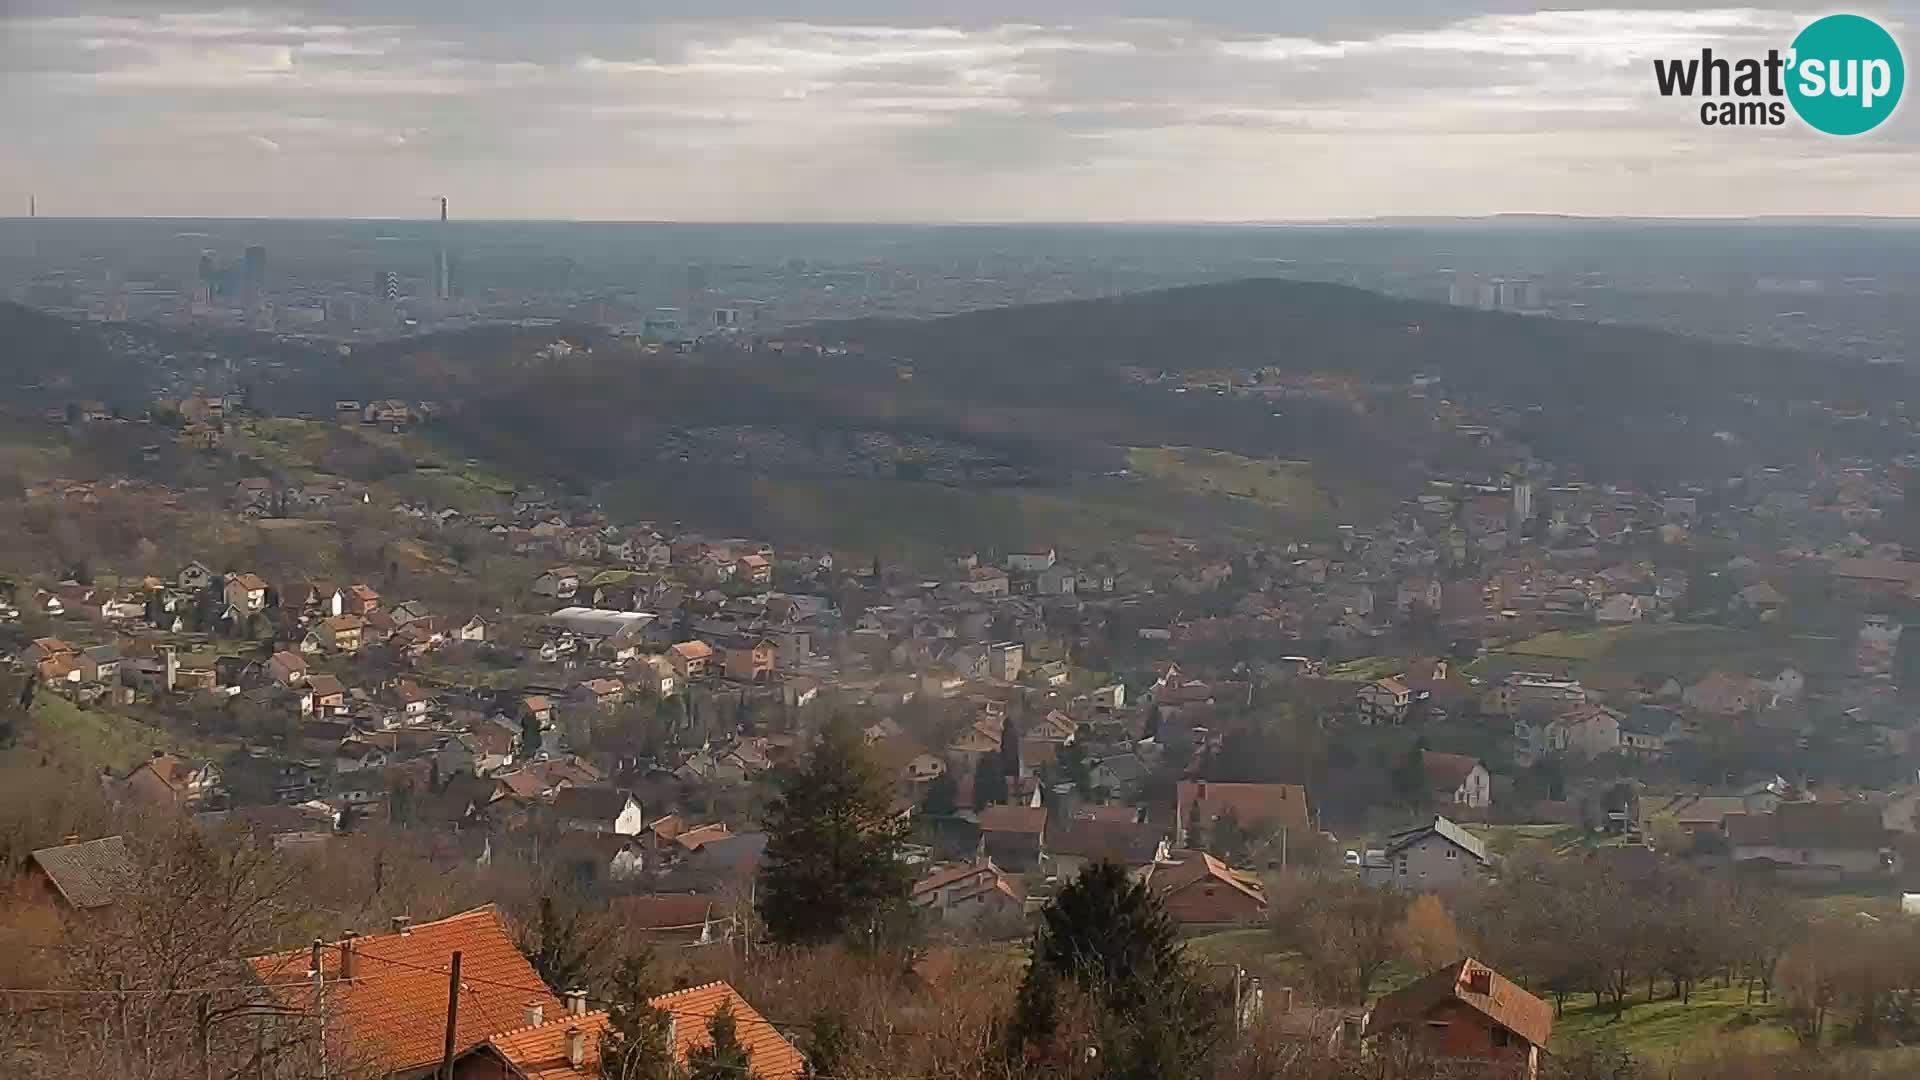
(386, 994)
(1196, 888)
(1466, 1011)
(568, 1048)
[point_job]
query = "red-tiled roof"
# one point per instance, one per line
(677, 912)
(696, 838)
(773, 1057)
(1446, 772)
(1281, 805)
(540, 1053)
(1013, 819)
(1504, 1003)
(1170, 878)
(393, 1009)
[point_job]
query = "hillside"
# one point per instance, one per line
(1620, 400)
(45, 357)
(1017, 418)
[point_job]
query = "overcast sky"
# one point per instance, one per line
(864, 110)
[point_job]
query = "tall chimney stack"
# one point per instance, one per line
(443, 208)
(576, 1047)
(576, 1002)
(347, 942)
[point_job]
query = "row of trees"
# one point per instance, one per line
(1607, 926)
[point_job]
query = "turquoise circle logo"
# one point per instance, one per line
(1847, 75)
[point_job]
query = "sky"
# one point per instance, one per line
(899, 110)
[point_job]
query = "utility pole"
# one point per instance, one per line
(320, 1008)
(453, 1016)
(1283, 850)
(1239, 1018)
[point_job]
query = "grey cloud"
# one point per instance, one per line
(855, 110)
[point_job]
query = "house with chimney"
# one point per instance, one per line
(1197, 889)
(1258, 808)
(386, 994)
(565, 1045)
(969, 893)
(1467, 1018)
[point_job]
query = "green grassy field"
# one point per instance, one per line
(1714, 1019)
(1663, 1030)
(1367, 668)
(920, 520)
(70, 736)
(1685, 651)
(1506, 839)
(1570, 644)
(1284, 485)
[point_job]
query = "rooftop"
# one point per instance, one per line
(393, 1008)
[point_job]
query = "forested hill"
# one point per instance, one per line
(1630, 404)
(1311, 326)
(46, 357)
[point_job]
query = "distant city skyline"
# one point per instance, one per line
(853, 111)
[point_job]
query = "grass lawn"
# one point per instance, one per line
(1367, 668)
(1685, 651)
(1569, 644)
(1505, 839)
(84, 739)
(925, 522)
(1284, 485)
(1714, 1019)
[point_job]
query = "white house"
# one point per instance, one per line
(1385, 701)
(1458, 780)
(1584, 731)
(1030, 562)
(1789, 685)
(1619, 608)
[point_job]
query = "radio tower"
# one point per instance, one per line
(442, 279)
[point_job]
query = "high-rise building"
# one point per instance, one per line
(1463, 291)
(204, 288)
(1522, 501)
(253, 287)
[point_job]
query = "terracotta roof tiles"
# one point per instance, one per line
(393, 1009)
(1502, 1002)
